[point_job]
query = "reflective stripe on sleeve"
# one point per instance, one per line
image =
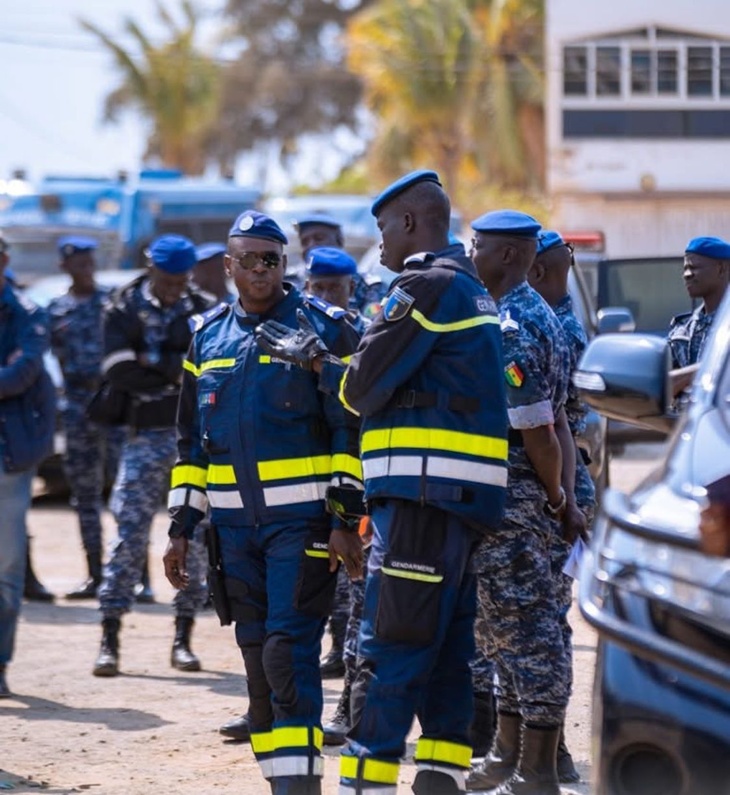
(125, 355)
(456, 325)
(344, 464)
(419, 576)
(212, 364)
(182, 496)
(188, 475)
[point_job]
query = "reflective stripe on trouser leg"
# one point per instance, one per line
(367, 776)
(441, 756)
(289, 751)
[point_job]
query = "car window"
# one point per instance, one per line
(653, 289)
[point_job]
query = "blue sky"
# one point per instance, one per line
(55, 78)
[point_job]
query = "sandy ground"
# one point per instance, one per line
(154, 729)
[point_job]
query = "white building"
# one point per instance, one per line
(638, 121)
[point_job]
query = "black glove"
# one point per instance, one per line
(299, 347)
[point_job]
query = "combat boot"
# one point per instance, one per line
(107, 663)
(537, 772)
(335, 732)
(88, 588)
(296, 785)
(500, 765)
(434, 782)
(33, 589)
(481, 732)
(238, 729)
(143, 592)
(567, 774)
(332, 667)
(4, 689)
(181, 656)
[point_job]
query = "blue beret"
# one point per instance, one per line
(75, 244)
(327, 261)
(317, 218)
(510, 223)
(547, 240)
(255, 224)
(210, 250)
(400, 185)
(713, 247)
(172, 253)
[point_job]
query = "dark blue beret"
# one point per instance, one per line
(712, 247)
(317, 218)
(510, 223)
(327, 261)
(547, 240)
(75, 244)
(210, 250)
(172, 253)
(397, 187)
(256, 224)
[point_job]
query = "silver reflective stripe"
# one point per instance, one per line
(299, 492)
(436, 466)
(183, 495)
(470, 471)
(224, 499)
(457, 774)
(126, 355)
(291, 766)
(347, 789)
(347, 481)
(532, 416)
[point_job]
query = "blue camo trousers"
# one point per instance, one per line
(142, 481)
(519, 625)
(91, 459)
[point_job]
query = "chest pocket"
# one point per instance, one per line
(215, 425)
(287, 392)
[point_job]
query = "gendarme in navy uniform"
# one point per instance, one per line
(261, 446)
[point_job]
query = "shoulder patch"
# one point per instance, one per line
(507, 322)
(397, 304)
(331, 310)
(196, 322)
(513, 374)
(484, 305)
(681, 318)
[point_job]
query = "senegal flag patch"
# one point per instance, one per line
(513, 374)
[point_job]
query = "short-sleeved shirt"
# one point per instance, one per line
(576, 340)
(687, 336)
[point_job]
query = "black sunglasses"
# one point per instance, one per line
(248, 260)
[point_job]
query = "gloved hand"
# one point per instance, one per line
(300, 347)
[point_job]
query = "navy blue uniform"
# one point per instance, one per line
(426, 380)
(259, 445)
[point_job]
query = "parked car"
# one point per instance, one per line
(610, 319)
(661, 718)
(42, 292)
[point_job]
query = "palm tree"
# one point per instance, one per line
(173, 85)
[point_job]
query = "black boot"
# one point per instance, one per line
(33, 589)
(567, 774)
(4, 689)
(88, 588)
(296, 785)
(499, 766)
(237, 729)
(537, 772)
(143, 592)
(181, 656)
(431, 782)
(332, 667)
(335, 731)
(484, 724)
(107, 663)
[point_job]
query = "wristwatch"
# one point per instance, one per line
(557, 510)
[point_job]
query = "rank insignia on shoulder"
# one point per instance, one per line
(331, 310)
(508, 323)
(397, 304)
(196, 322)
(514, 375)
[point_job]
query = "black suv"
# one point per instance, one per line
(661, 606)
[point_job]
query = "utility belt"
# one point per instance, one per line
(412, 399)
(152, 411)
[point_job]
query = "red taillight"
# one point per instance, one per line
(586, 241)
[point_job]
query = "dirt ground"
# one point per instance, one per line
(152, 729)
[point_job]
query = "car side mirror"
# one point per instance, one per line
(626, 377)
(615, 319)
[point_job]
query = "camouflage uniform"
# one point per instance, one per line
(92, 451)
(147, 458)
(687, 335)
(518, 622)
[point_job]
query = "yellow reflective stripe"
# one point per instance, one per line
(457, 325)
(316, 553)
(443, 751)
(264, 358)
(412, 575)
(348, 464)
(188, 475)
(435, 439)
(373, 770)
(295, 467)
(221, 475)
(213, 364)
(346, 359)
(285, 737)
(343, 399)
